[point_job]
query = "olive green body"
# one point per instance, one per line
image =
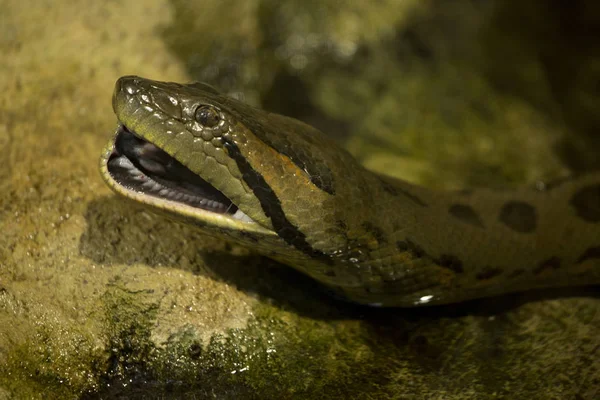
(372, 239)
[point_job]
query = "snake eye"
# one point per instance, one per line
(207, 116)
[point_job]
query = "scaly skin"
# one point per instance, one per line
(372, 239)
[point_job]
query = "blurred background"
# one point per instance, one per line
(446, 94)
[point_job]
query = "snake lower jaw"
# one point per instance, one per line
(136, 165)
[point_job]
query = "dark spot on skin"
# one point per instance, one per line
(376, 231)
(408, 245)
(587, 203)
(330, 273)
(488, 273)
(589, 254)
(516, 273)
(466, 214)
(397, 191)
(549, 264)
(451, 262)
(519, 216)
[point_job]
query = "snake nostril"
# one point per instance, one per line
(125, 87)
(128, 84)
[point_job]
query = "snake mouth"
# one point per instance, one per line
(142, 167)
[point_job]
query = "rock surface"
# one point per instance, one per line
(101, 299)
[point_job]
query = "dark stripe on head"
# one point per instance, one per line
(307, 155)
(271, 204)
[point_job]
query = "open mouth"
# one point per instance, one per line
(140, 166)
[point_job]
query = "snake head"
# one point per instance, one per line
(229, 168)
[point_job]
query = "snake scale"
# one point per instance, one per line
(283, 188)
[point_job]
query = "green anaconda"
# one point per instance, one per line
(285, 189)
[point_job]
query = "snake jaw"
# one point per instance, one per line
(137, 168)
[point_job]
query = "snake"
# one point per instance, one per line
(289, 192)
